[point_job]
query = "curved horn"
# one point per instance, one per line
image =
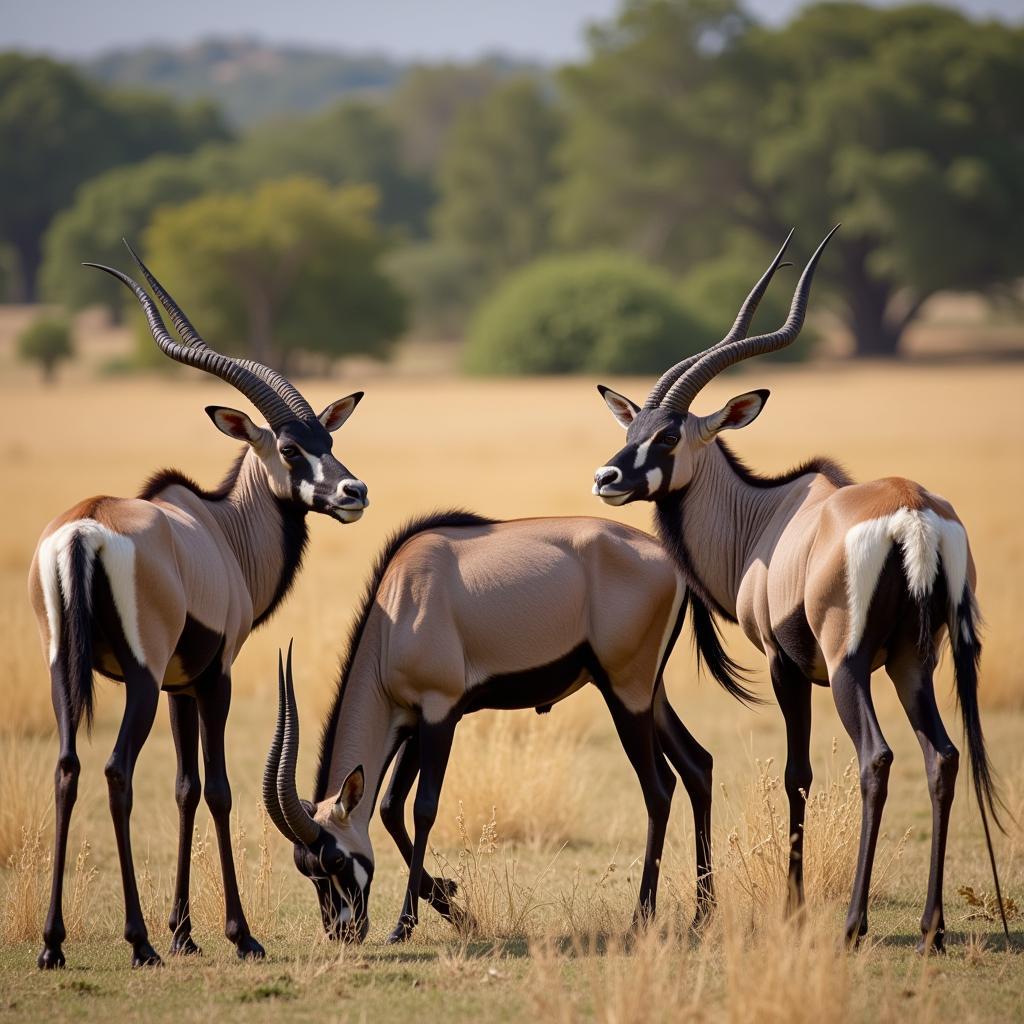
(717, 359)
(198, 354)
(270, 800)
(295, 815)
(738, 330)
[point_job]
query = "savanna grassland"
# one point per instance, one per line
(551, 828)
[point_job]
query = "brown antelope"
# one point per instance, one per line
(830, 579)
(161, 591)
(461, 614)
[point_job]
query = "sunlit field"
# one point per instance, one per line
(542, 820)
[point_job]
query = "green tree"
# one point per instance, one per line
(291, 266)
(689, 120)
(597, 311)
(58, 130)
(496, 176)
(46, 341)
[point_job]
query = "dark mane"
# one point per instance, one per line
(433, 521)
(165, 478)
(832, 471)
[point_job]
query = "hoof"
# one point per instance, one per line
(50, 958)
(401, 932)
(185, 946)
(146, 956)
(931, 944)
(250, 949)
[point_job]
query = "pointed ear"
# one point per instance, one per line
(337, 412)
(236, 424)
(349, 795)
(736, 413)
(623, 409)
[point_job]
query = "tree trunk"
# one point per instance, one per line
(261, 328)
(876, 333)
(29, 248)
(49, 368)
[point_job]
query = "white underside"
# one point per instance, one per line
(923, 537)
(117, 554)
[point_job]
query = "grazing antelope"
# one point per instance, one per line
(464, 613)
(830, 579)
(161, 591)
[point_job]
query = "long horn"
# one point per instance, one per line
(738, 330)
(284, 387)
(198, 354)
(270, 770)
(715, 360)
(295, 815)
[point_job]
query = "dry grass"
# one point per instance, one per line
(553, 883)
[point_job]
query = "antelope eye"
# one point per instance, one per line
(289, 451)
(669, 440)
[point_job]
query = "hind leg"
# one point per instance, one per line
(793, 692)
(912, 676)
(851, 690)
(185, 730)
(694, 765)
(142, 694)
(214, 698)
(65, 794)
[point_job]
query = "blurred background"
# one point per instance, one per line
(585, 188)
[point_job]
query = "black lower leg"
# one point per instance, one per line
(694, 765)
(793, 692)
(141, 696)
(185, 729)
(65, 795)
(435, 741)
(214, 700)
(437, 891)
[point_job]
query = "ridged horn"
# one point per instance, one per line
(270, 769)
(715, 360)
(295, 815)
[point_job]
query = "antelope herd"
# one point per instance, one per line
(830, 579)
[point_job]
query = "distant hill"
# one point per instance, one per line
(251, 80)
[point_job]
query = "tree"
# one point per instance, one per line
(46, 341)
(597, 311)
(496, 176)
(689, 120)
(58, 130)
(291, 266)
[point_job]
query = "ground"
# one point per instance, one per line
(552, 876)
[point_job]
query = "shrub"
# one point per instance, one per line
(583, 313)
(46, 341)
(713, 292)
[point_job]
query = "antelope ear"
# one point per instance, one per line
(337, 412)
(623, 408)
(349, 795)
(736, 413)
(235, 424)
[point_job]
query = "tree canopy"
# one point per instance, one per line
(291, 266)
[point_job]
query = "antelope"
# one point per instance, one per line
(161, 591)
(830, 579)
(464, 613)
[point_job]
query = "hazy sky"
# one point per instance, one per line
(549, 29)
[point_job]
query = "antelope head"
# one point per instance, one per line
(663, 438)
(324, 838)
(295, 445)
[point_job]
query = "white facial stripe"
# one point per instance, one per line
(316, 464)
(361, 875)
(642, 452)
(306, 490)
(654, 478)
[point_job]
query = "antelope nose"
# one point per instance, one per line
(355, 489)
(607, 475)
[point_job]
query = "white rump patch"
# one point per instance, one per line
(118, 556)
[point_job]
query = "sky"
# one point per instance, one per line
(551, 30)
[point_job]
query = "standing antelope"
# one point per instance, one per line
(830, 579)
(161, 591)
(464, 613)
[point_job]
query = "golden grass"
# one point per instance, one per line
(553, 888)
